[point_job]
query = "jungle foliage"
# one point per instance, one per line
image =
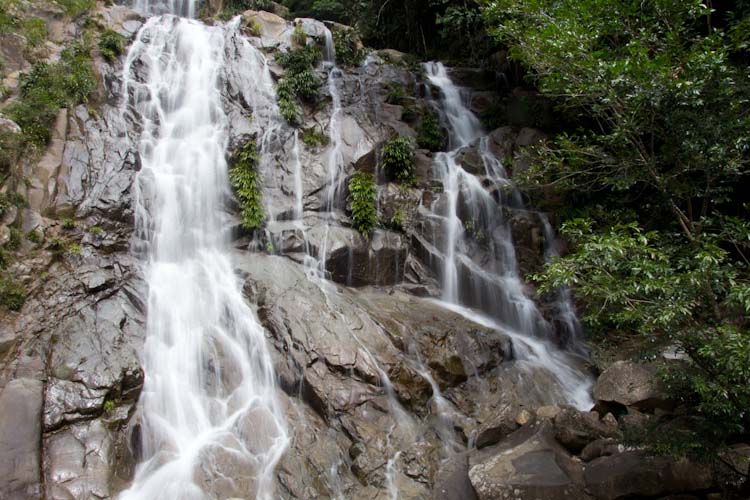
(654, 180)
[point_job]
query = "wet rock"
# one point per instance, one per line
(20, 434)
(601, 448)
(528, 464)
(452, 480)
(70, 402)
(634, 474)
(274, 29)
(498, 427)
(354, 260)
(78, 462)
(632, 384)
(575, 429)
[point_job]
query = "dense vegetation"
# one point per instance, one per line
(434, 28)
(652, 181)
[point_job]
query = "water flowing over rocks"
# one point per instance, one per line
(413, 363)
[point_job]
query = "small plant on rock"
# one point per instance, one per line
(398, 159)
(12, 293)
(362, 195)
(299, 37)
(314, 137)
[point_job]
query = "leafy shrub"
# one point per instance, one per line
(398, 219)
(346, 42)
(396, 94)
(430, 135)
(8, 200)
(299, 37)
(398, 159)
(49, 87)
(314, 137)
(299, 59)
(362, 195)
(12, 294)
(34, 30)
(111, 45)
(246, 182)
(96, 230)
(299, 82)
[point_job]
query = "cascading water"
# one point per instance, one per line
(476, 257)
(209, 402)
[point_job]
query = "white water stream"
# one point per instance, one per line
(209, 402)
(490, 280)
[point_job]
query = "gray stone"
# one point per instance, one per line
(632, 384)
(20, 434)
(635, 474)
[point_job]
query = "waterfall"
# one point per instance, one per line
(477, 262)
(209, 402)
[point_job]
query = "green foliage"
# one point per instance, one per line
(452, 28)
(111, 45)
(10, 199)
(254, 28)
(430, 135)
(96, 230)
(299, 37)
(299, 82)
(347, 45)
(75, 8)
(35, 31)
(69, 223)
(14, 242)
(109, 406)
(398, 159)
(398, 219)
(235, 7)
(47, 88)
(34, 237)
(314, 137)
(246, 182)
(363, 197)
(12, 293)
(396, 94)
(671, 291)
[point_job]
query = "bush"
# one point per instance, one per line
(363, 197)
(49, 87)
(12, 294)
(398, 159)
(75, 8)
(299, 82)
(314, 137)
(346, 42)
(8, 200)
(398, 219)
(430, 135)
(246, 182)
(111, 45)
(299, 37)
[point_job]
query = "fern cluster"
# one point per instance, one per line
(363, 197)
(246, 182)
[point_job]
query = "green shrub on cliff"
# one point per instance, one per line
(246, 181)
(299, 81)
(111, 45)
(363, 198)
(347, 45)
(398, 159)
(12, 293)
(47, 87)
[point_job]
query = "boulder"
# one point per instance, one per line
(575, 429)
(528, 464)
(635, 474)
(634, 384)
